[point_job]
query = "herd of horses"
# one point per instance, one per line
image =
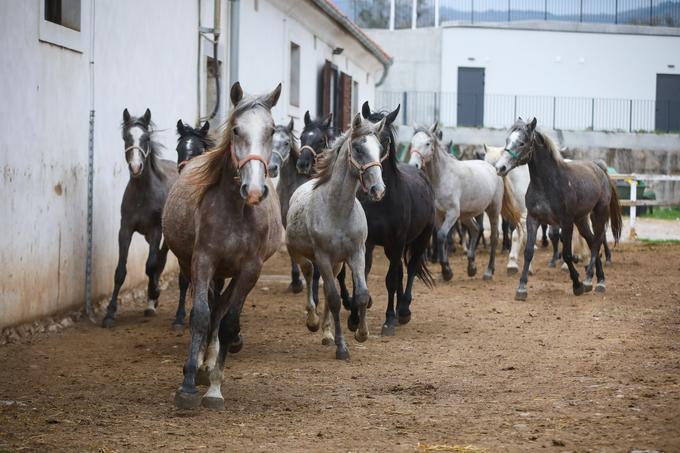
(339, 195)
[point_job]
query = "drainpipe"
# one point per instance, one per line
(89, 310)
(215, 31)
(198, 70)
(386, 69)
(234, 19)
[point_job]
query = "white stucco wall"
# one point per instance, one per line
(550, 63)
(45, 89)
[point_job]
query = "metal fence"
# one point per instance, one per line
(377, 13)
(500, 111)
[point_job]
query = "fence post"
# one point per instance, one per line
(651, 7)
(436, 115)
(616, 12)
(592, 114)
(580, 12)
(630, 116)
(509, 8)
(514, 116)
(632, 235)
(472, 11)
(405, 110)
(545, 10)
(414, 14)
(554, 108)
(392, 15)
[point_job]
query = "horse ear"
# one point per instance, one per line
(307, 118)
(180, 127)
(236, 93)
(328, 121)
(519, 118)
(291, 125)
(532, 124)
(365, 110)
(440, 134)
(356, 122)
(486, 150)
(272, 98)
(205, 127)
(434, 127)
(393, 115)
(126, 116)
(147, 117)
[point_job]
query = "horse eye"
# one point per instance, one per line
(235, 131)
(273, 132)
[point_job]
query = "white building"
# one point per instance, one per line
(60, 60)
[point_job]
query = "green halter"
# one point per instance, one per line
(512, 153)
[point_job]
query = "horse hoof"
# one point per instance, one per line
(236, 346)
(352, 325)
(488, 276)
(178, 328)
(295, 287)
(587, 286)
(521, 295)
(149, 312)
(447, 274)
(471, 271)
(202, 377)
(387, 330)
(347, 303)
(512, 270)
(212, 403)
(312, 322)
(370, 302)
(579, 289)
(552, 264)
(342, 354)
(600, 288)
(404, 319)
(608, 263)
(327, 341)
(107, 322)
(360, 336)
(186, 400)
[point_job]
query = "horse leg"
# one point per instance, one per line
(598, 219)
(357, 263)
(295, 282)
(178, 324)
(333, 306)
(353, 318)
(124, 238)
(544, 240)
(505, 228)
(315, 283)
(493, 225)
(311, 305)
(566, 231)
(593, 245)
(513, 257)
(607, 252)
(480, 224)
(554, 234)
(344, 292)
(433, 248)
(451, 217)
(186, 396)
(532, 229)
(471, 225)
(390, 324)
(154, 261)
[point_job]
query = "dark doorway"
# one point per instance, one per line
(667, 102)
(471, 97)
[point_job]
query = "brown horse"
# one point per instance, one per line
(562, 194)
(220, 223)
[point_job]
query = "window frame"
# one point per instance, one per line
(60, 35)
(294, 102)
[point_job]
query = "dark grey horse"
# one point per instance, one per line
(142, 207)
(192, 142)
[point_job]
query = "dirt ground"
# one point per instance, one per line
(473, 371)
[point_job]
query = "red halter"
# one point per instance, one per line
(240, 163)
(422, 157)
(363, 168)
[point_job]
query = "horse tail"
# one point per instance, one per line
(415, 254)
(615, 220)
(508, 209)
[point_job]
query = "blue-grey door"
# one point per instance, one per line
(667, 102)
(471, 97)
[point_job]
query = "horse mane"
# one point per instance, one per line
(542, 139)
(331, 132)
(206, 169)
(207, 140)
(326, 162)
(155, 146)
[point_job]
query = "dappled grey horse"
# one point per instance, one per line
(327, 225)
(565, 194)
(150, 180)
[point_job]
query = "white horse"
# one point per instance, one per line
(326, 224)
(463, 190)
(518, 182)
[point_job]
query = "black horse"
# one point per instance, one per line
(401, 223)
(190, 143)
(314, 139)
(150, 180)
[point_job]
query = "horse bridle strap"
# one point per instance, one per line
(422, 156)
(311, 150)
(363, 168)
(280, 156)
(182, 164)
(240, 163)
(144, 153)
(512, 153)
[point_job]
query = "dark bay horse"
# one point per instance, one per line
(401, 222)
(220, 223)
(150, 180)
(314, 139)
(191, 142)
(564, 194)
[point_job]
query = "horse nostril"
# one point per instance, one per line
(266, 192)
(244, 190)
(274, 171)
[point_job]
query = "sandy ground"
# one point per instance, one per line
(473, 369)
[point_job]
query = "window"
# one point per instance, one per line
(61, 22)
(355, 97)
(63, 12)
(294, 74)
